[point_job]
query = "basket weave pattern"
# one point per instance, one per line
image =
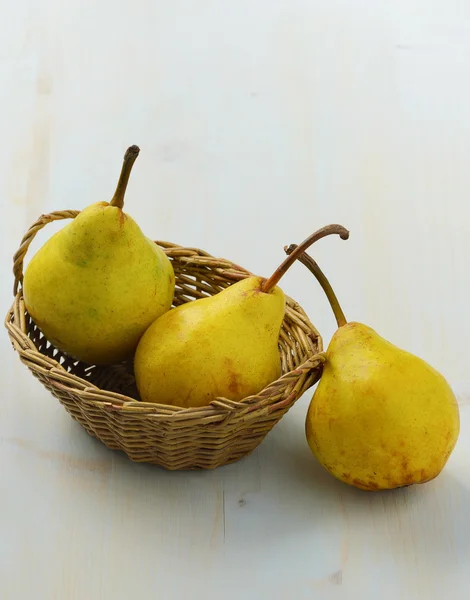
(105, 401)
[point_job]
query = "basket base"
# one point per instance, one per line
(153, 455)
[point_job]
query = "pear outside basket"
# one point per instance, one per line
(105, 401)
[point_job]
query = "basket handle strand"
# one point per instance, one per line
(29, 236)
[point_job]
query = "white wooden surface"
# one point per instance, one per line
(258, 121)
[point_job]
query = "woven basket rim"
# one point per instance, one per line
(62, 379)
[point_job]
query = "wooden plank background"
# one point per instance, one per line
(258, 121)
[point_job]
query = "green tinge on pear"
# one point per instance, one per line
(96, 285)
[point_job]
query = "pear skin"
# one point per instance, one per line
(380, 417)
(221, 346)
(96, 285)
(226, 345)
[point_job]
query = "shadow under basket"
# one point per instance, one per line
(105, 401)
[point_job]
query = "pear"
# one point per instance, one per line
(96, 285)
(380, 417)
(220, 346)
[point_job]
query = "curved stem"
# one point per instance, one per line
(270, 283)
(129, 159)
(313, 267)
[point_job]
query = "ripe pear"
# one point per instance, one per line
(381, 417)
(96, 285)
(208, 347)
(221, 346)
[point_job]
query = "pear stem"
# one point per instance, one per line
(129, 159)
(313, 267)
(269, 284)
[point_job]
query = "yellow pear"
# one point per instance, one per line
(96, 285)
(206, 348)
(381, 417)
(221, 346)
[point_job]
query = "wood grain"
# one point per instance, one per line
(258, 122)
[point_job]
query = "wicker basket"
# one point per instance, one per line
(105, 401)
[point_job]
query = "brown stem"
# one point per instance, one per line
(313, 267)
(129, 159)
(270, 283)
